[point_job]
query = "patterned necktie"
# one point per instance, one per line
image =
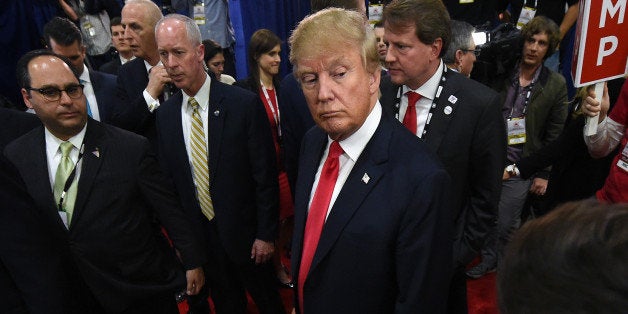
(409, 119)
(63, 172)
(199, 161)
(318, 213)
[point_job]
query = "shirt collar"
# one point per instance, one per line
(148, 66)
(356, 142)
(428, 89)
(53, 142)
(85, 75)
(202, 96)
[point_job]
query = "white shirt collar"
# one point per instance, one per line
(148, 66)
(202, 96)
(85, 75)
(53, 142)
(428, 89)
(356, 142)
(123, 60)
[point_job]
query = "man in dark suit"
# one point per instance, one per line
(98, 188)
(215, 141)
(64, 38)
(295, 116)
(372, 221)
(35, 272)
(143, 83)
(125, 54)
(459, 120)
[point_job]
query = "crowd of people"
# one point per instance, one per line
(379, 168)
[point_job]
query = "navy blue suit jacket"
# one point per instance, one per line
(105, 91)
(242, 167)
(470, 141)
(112, 66)
(386, 244)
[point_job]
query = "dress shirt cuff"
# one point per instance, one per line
(609, 134)
(151, 102)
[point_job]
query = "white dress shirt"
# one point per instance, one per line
(53, 153)
(428, 93)
(352, 147)
(88, 90)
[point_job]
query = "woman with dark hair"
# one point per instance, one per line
(215, 60)
(263, 60)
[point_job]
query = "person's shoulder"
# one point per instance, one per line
(227, 79)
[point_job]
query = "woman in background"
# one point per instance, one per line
(263, 61)
(215, 60)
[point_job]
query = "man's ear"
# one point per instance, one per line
(26, 97)
(458, 56)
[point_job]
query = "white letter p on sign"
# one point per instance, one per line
(602, 51)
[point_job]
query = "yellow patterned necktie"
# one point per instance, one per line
(199, 161)
(63, 172)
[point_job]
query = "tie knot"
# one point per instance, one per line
(413, 97)
(193, 103)
(335, 150)
(66, 148)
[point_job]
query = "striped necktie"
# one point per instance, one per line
(198, 147)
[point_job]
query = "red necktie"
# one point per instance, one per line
(409, 120)
(318, 212)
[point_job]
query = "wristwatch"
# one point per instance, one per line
(512, 170)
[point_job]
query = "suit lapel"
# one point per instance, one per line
(371, 163)
(34, 169)
(444, 112)
(98, 93)
(94, 151)
(216, 119)
(309, 160)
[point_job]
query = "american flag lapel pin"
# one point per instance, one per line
(366, 178)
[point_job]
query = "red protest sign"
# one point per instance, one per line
(601, 47)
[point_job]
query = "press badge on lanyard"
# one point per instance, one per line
(87, 25)
(516, 131)
(623, 161)
(199, 13)
(527, 14)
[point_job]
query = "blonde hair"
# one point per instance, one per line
(331, 30)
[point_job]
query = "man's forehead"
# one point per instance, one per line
(51, 70)
(325, 61)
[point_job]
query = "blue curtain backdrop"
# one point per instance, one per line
(22, 21)
(21, 24)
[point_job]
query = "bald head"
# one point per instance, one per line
(139, 18)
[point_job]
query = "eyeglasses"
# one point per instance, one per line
(74, 91)
(476, 52)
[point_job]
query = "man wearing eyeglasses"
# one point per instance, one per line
(99, 188)
(458, 118)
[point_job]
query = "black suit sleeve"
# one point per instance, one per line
(264, 168)
(160, 193)
(423, 253)
(487, 158)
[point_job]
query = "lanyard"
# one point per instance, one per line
(275, 112)
(441, 85)
(70, 179)
(528, 94)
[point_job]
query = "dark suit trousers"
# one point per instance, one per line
(161, 303)
(226, 281)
